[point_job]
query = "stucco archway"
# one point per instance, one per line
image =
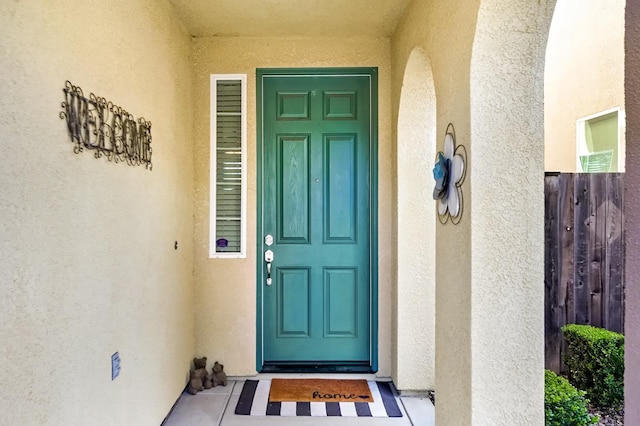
(507, 217)
(506, 125)
(415, 333)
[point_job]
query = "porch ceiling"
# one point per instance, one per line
(291, 18)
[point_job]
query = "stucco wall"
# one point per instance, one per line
(87, 259)
(415, 304)
(226, 288)
(632, 215)
(584, 73)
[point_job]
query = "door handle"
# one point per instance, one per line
(268, 258)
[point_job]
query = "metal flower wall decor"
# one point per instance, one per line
(449, 172)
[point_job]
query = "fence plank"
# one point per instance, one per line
(615, 250)
(567, 276)
(581, 249)
(596, 222)
(552, 253)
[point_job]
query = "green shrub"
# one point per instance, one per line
(595, 363)
(564, 405)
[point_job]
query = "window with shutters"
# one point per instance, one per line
(228, 165)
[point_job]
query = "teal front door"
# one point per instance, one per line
(316, 298)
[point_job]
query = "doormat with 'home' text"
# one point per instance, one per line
(318, 397)
(319, 390)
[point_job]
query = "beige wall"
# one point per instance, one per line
(226, 288)
(87, 259)
(415, 304)
(584, 73)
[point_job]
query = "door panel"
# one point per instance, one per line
(315, 197)
(341, 302)
(340, 204)
(293, 303)
(293, 181)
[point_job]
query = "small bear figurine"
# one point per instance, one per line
(199, 378)
(207, 383)
(219, 376)
(195, 382)
(201, 364)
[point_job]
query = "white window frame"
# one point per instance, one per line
(213, 168)
(581, 140)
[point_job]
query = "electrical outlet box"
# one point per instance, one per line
(115, 365)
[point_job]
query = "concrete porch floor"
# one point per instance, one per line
(216, 406)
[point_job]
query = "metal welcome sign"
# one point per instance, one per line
(107, 129)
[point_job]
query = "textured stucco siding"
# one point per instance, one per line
(507, 170)
(445, 32)
(87, 259)
(226, 288)
(414, 332)
(487, 59)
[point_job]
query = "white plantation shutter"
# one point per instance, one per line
(228, 183)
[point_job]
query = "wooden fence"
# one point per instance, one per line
(584, 256)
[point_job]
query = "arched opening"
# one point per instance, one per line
(584, 133)
(584, 87)
(415, 358)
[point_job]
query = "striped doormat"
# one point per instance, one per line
(254, 401)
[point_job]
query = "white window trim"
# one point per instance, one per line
(213, 168)
(581, 140)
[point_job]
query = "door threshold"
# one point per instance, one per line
(313, 367)
(370, 377)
